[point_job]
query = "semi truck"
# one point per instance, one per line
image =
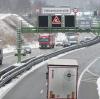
(62, 79)
(46, 40)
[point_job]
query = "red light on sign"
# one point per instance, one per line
(56, 20)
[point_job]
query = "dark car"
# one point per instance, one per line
(27, 50)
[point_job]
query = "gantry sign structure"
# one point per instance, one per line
(51, 22)
(57, 20)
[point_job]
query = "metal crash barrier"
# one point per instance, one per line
(13, 71)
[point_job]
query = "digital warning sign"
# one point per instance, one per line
(43, 21)
(56, 21)
(70, 21)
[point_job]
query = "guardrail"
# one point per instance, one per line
(6, 77)
(2, 72)
(5, 70)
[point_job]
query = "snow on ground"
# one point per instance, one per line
(13, 18)
(2, 16)
(10, 49)
(9, 23)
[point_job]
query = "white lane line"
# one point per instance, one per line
(79, 81)
(92, 81)
(94, 74)
(89, 79)
(46, 84)
(41, 92)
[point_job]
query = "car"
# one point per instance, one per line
(66, 43)
(88, 38)
(58, 43)
(27, 50)
(72, 39)
(59, 39)
(85, 39)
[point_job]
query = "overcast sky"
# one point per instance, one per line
(81, 4)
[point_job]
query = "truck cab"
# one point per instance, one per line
(46, 41)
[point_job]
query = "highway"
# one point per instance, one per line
(34, 85)
(10, 59)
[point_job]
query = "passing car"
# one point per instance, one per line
(85, 39)
(73, 39)
(27, 50)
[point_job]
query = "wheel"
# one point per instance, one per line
(0, 62)
(24, 54)
(53, 46)
(16, 54)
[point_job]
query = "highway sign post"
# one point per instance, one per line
(75, 10)
(19, 44)
(19, 41)
(46, 22)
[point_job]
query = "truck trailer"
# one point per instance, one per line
(46, 40)
(62, 78)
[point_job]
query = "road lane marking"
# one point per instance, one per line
(89, 79)
(46, 84)
(79, 81)
(92, 81)
(41, 92)
(94, 74)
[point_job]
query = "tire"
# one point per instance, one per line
(53, 46)
(0, 62)
(16, 54)
(24, 54)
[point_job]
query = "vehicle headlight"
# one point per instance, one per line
(47, 45)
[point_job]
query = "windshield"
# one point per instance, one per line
(43, 40)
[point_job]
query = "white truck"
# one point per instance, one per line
(62, 78)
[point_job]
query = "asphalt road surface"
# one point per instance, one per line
(10, 59)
